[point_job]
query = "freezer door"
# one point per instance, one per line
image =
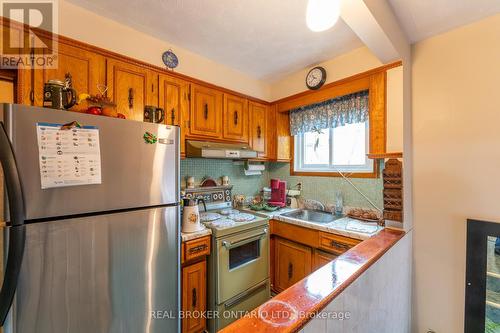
(134, 173)
(106, 273)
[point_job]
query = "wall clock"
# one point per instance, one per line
(316, 78)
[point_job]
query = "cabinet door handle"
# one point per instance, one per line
(339, 245)
(205, 113)
(131, 98)
(173, 115)
(290, 270)
(32, 96)
(259, 132)
(236, 117)
(194, 298)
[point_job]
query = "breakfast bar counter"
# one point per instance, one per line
(290, 310)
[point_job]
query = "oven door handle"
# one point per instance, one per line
(228, 245)
(244, 295)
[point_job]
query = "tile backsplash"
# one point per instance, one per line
(322, 189)
(200, 168)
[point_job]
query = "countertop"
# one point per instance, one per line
(345, 226)
(194, 235)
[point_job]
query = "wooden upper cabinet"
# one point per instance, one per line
(194, 294)
(173, 98)
(87, 69)
(206, 112)
(131, 87)
(293, 262)
(283, 140)
(235, 127)
(258, 126)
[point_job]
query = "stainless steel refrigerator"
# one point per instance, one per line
(102, 257)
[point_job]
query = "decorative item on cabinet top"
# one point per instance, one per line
(170, 59)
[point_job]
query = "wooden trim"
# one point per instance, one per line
(320, 95)
(8, 74)
(110, 54)
(323, 94)
(374, 174)
(382, 156)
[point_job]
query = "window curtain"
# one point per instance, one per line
(336, 112)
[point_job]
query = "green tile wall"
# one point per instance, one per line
(318, 188)
(201, 167)
(323, 189)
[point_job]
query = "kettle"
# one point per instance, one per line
(191, 215)
(58, 95)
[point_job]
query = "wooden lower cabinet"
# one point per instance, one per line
(297, 251)
(194, 297)
(321, 258)
(293, 263)
(194, 284)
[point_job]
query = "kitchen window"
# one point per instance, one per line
(333, 137)
(339, 149)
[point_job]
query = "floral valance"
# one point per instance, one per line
(348, 109)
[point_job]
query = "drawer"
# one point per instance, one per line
(336, 244)
(196, 248)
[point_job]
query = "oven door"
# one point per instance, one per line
(243, 261)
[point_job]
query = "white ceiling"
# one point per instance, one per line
(268, 39)
(265, 39)
(425, 18)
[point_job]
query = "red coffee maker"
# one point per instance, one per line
(278, 193)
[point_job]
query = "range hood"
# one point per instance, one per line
(219, 150)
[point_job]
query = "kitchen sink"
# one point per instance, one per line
(311, 215)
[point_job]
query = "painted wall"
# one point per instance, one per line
(378, 301)
(456, 136)
(348, 64)
(89, 27)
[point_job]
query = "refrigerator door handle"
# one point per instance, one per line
(17, 230)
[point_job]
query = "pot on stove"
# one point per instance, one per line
(191, 215)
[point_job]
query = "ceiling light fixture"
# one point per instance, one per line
(321, 15)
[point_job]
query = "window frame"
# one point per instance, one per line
(346, 169)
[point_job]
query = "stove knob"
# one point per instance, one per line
(227, 192)
(214, 196)
(228, 198)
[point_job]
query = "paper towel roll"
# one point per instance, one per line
(254, 167)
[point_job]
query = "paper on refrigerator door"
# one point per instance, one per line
(68, 157)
